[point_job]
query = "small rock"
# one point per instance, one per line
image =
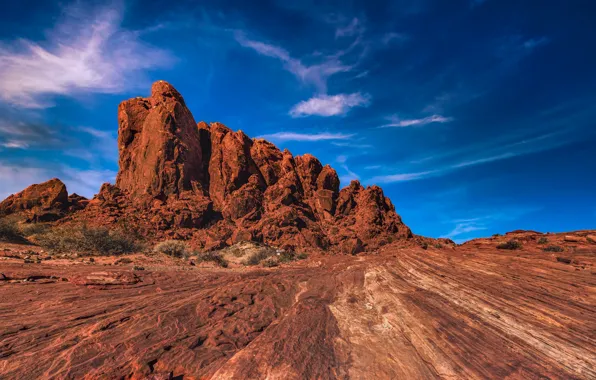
(573, 239)
(3, 277)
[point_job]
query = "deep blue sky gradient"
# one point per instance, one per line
(476, 117)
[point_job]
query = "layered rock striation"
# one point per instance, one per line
(215, 186)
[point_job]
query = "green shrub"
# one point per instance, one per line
(424, 245)
(553, 248)
(214, 257)
(9, 231)
(174, 248)
(511, 244)
(82, 239)
(302, 256)
(542, 240)
(438, 245)
(496, 235)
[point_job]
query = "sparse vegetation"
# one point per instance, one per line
(302, 256)
(138, 267)
(257, 257)
(542, 240)
(85, 240)
(438, 245)
(511, 245)
(9, 231)
(496, 235)
(174, 248)
(424, 245)
(270, 262)
(214, 257)
(553, 248)
(32, 229)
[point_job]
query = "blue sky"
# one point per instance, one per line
(475, 116)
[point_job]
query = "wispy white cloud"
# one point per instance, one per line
(316, 74)
(393, 37)
(20, 135)
(349, 144)
(330, 105)
(102, 146)
(464, 227)
(401, 177)
(348, 175)
(355, 27)
(536, 42)
(484, 220)
(293, 136)
(396, 122)
(479, 154)
(84, 53)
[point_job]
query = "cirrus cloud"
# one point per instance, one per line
(84, 53)
(330, 105)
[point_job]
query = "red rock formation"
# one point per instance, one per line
(42, 202)
(213, 186)
(159, 144)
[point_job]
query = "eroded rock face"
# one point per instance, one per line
(42, 202)
(159, 144)
(215, 186)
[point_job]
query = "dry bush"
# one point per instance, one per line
(542, 240)
(32, 229)
(553, 248)
(174, 248)
(82, 239)
(214, 257)
(257, 257)
(511, 245)
(270, 262)
(10, 232)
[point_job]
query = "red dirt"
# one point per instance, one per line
(469, 312)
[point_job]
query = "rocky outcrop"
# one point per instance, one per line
(42, 202)
(159, 145)
(214, 186)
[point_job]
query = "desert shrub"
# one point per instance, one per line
(270, 262)
(138, 267)
(214, 257)
(438, 245)
(553, 248)
(83, 239)
(174, 248)
(496, 235)
(511, 244)
(287, 256)
(542, 240)
(590, 240)
(31, 229)
(424, 245)
(302, 256)
(257, 257)
(9, 231)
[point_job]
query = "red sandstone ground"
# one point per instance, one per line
(470, 312)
